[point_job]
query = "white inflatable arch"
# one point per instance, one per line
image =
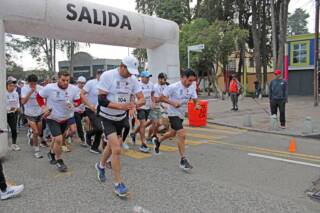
(84, 21)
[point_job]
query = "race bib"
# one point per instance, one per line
(122, 98)
(148, 100)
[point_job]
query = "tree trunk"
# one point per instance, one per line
(71, 57)
(274, 35)
(256, 38)
(283, 16)
(264, 54)
(54, 55)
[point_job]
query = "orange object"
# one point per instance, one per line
(233, 86)
(196, 117)
(292, 146)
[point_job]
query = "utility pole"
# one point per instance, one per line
(316, 57)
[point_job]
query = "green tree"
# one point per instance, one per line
(297, 22)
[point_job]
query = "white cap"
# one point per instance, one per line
(81, 79)
(132, 64)
(11, 78)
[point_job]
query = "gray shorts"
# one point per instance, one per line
(155, 114)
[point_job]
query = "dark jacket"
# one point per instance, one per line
(278, 89)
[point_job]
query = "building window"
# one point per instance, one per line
(300, 53)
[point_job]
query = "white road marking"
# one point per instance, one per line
(284, 160)
(139, 209)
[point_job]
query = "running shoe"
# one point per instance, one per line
(156, 143)
(101, 173)
(125, 146)
(11, 191)
(95, 151)
(15, 147)
(51, 157)
(144, 148)
(185, 165)
(38, 154)
(133, 138)
(61, 166)
(121, 190)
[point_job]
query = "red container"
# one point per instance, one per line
(198, 117)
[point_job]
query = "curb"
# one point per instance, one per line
(313, 135)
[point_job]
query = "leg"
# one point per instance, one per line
(142, 130)
(181, 143)
(78, 118)
(12, 122)
(3, 185)
(273, 107)
(233, 101)
(35, 133)
(57, 143)
(236, 99)
(282, 109)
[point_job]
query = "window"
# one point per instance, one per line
(300, 53)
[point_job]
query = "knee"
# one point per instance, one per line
(116, 150)
(182, 135)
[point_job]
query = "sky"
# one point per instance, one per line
(113, 52)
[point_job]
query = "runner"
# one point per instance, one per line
(177, 95)
(61, 98)
(144, 111)
(115, 90)
(32, 111)
(13, 107)
(90, 90)
(155, 113)
(79, 113)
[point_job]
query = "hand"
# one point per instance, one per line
(46, 111)
(127, 106)
(93, 108)
(176, 104)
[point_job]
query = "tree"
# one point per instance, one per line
(141, 55)
(297, 22)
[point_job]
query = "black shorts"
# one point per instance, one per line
(35, 119)
(110, 126)
(176, 123)
(143, 114)
(57, 128)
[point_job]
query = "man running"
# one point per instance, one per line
(57, 101)
(33, 111)
(90, 90)
(79, 112)
(144, 111)
(155, 113)
(178, 95)
(115, 90)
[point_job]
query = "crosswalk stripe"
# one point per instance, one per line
(209, 137)
(166, 148)
(233, 132)
(136, 154)
(195, 143)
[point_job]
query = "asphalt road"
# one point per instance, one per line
(224, 179)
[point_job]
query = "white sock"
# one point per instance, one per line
(101, 166)
(37, 149)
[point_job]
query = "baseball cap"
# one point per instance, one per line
(81, 79)
(145, 74)
(11, 79)
(132, 64)
(277, 72)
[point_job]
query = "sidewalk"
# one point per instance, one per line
(297, 110)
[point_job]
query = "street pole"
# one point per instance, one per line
(316, 57)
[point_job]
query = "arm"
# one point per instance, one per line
(86, 101)
(140, 100)
(103, 101)
(166, 100)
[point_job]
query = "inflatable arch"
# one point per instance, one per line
(84, 21)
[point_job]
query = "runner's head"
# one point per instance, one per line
(98, 74)
(81, 82)
(32, 80)
(188, 77)
(128, 67)
(162, 78)
(63, 79)
(277, 73)
(145, 76)
(11, 84)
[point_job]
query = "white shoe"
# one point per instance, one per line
(11, 191)
(15, 147)
(38, 155)
(125, 146)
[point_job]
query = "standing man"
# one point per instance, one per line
(33, 111)
(178, 95)
(90, 90)
(278, 94)
(57, 101)
(79, 112)
(115, 90)
(155, 113)
(234, 89)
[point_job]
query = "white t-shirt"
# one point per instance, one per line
(158, 91)
(31, 107)
(91, 88)
(12, 100)
(58, 99)
(147, 90)
(119, 90)
(179, 93)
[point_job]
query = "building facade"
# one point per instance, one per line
(85, 65)
(300, 49)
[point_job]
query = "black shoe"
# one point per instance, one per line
(61, 166)
(95, 151)
(156, 142)
(236, 109)
(185, 165)
(133, 138)
(233, 109)
(88, 141)
(51, 158)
